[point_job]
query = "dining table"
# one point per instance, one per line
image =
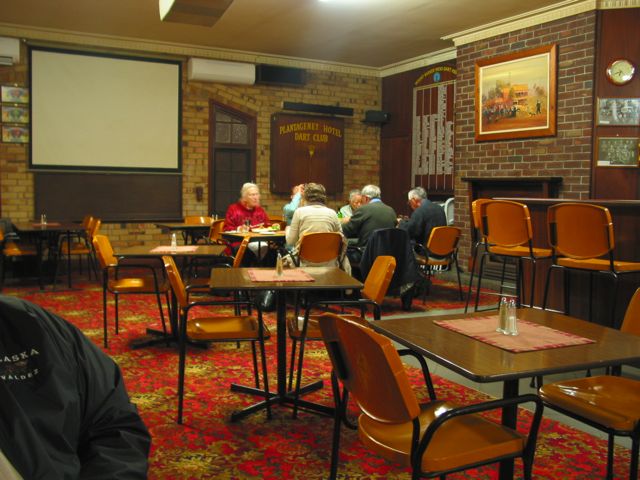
(183, 252)
(191, 232)
(547, 343)
(47, 234)
(305, 279)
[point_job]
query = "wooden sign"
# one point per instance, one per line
(306, 148)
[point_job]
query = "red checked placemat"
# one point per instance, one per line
(288, 275)
(531, 336)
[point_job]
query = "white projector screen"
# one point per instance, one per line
(97, 112)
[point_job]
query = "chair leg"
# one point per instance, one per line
(294, 344)
(181, 369)
(480, 282)
(533, 282)
(567, 291)
(254, 356)
(296, 394)
(546, 288)
(104, 316)
(117, 316)
(164, 324)
(502, 275)
(610, 445)
(471, 273)
(267, 395)
(340, 408)
(455, 262)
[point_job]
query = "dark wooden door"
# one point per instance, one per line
(231, 168)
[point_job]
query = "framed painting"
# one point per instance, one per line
(14, 94)
(15, 113)
(516, 95)
(618, 111)
(617, 152)
(15, 134)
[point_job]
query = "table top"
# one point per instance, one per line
(324, 278)
(181, 251)
(183, 226)
(48, 227)
(482, 362)
(275, 235)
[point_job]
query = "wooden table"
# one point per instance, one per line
(324, 278)
(50, 232)
(190, 231)
(484, 363)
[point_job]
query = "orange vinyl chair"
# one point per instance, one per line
(215, 328)
(439, 254)
(582, 239)
(115, 280)
(319, 247)
(477, 244)
(608, 403)
(12, 249)
(83, 246)
(508, 233)
(197, 265)
(434, 439)
(195, 236)
(215, 232)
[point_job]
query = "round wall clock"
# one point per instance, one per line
(620, 71)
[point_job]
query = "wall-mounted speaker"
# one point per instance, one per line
(276, 75)
(376, 117)
(217, 71)
(9, 51)
(313, 108)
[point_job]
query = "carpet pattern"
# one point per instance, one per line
(209, 446)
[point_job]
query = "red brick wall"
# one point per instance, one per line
(568, 154)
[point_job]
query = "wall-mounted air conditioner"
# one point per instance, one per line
(218, 71)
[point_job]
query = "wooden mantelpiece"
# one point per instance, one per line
(490, 187)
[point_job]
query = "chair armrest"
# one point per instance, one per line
(425, 370)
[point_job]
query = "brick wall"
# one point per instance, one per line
(361, 152)
(568, 154)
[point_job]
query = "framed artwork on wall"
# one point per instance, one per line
(15, 113)
(618, 111)
(617, 152)
(515, 95)
(15, 134)
(14, 94)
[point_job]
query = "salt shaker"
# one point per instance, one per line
(174, 242)
(502, 316)
(279, 265)
(512, 319)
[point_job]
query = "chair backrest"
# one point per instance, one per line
(370, 368)
(237, 260)
(448, 210)
(506, 223)
(379, 278)
(94, 228)
(443, 241)
(215, 232)
(86, 222)
(175, 279)
(197, 220)
(475, 213)
(580, 230)
(320, 247)
(104, 251)
(631, 321)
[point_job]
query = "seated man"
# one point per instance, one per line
(425, 216)
(371, 215)
(64, 410)
(347, 210)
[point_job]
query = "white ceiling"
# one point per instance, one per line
(371, 33)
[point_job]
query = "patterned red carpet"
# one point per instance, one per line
(208, 446)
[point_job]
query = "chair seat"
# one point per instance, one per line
(294, 326)
(430, 261)
(461, 441)
(77, 248)
(137, 285)
(598, 264)
(613, 402)
(230, 328)
(12, 249)
(520, 251)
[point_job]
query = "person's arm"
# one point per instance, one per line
(291, 207)
(351, 228)
(114, 443)
(232, 219)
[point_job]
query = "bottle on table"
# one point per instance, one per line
(279, 267)
(502, 316)
(174, 242)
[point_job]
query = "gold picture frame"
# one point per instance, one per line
(515, 95)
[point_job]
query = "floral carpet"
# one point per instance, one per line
(209, 446)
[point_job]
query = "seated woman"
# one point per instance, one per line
(314, 216)
(247, 211)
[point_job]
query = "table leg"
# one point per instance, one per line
(69, 258)
(509, 419)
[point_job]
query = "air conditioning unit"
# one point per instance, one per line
(218, 71)
(9, 51)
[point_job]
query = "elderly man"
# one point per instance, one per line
(426, 215)
(65, 412)
(347, 210)
(372, 215)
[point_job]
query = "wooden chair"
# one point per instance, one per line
(582, 239)
(306, 328)
(439, 254)
(14, 249)
(434, 439)
(219, 328)
(608, 403)
(82, 246)
(126, 279)
(508, 233)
